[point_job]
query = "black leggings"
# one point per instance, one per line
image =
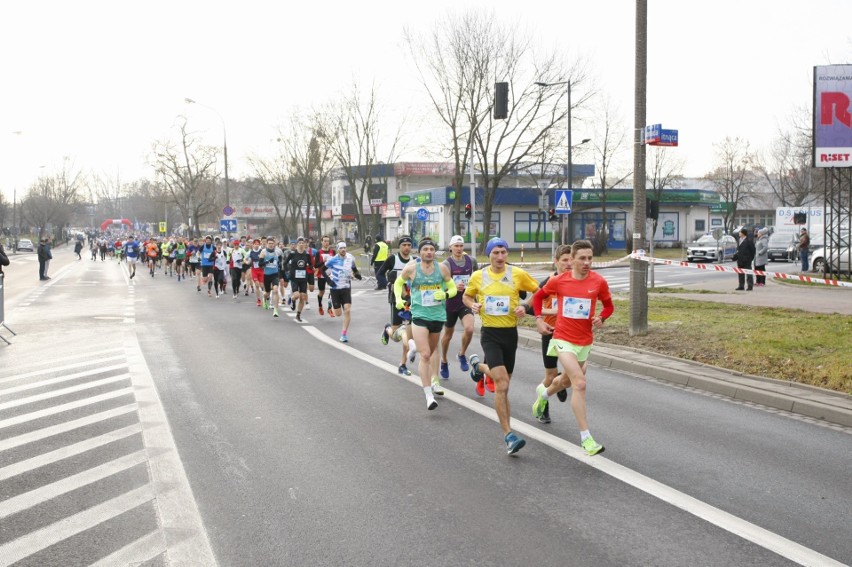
(236, 273)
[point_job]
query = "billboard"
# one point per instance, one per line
(832, 118)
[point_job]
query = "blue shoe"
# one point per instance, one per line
(463, 363)
(344, 339)
(403, 370)
(475, 374)
(445, 371)
(514, 443)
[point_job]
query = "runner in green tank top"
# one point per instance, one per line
(430, 285)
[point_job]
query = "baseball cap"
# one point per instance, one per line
(494, 243)
(457, 239)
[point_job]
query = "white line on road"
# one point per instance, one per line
(18, 419)
(66, 378)
(68, 451)
(91, 358)
(64, 391)
(60, 428)
(49, 491)
(737, 526)
(143, 549)
(34, 542)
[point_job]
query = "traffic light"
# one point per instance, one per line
(467, 211)
(501, 100)
(551, 215)
(800, 218)
(652, 209)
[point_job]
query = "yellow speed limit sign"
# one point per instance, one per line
(162, 228)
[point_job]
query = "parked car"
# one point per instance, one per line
(26, 244)
(708, 249)
(838, 258)
(783, 247)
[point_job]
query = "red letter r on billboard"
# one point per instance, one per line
(835, 104)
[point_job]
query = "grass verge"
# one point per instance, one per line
(791, 345)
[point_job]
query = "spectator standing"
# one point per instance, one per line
(44, 257)
(744, 258)
(380, 254)
(78, 246)
(804, 248)
(4, 259)
(761, 257)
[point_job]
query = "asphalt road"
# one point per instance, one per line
(299, 450)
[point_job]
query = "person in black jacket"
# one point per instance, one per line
(744, 258)
(4, 260)
(44, 257)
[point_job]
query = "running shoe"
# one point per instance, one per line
(591, 446)
(235, 296)
(331, 312)
(463, 363)
(514, 443)
(209, 293)
(480, 388)
(299, 318)
(412, 350)
(321, 310)
(431, 404)
(545, 417)
(445, 371)
(292, 305)
(131, 275)
(475, 374)
(562, 395)
(344, 339)
(385, 335)
(489, 384)
(436, 386)
(403, 370)
(275, 312)
(307, 304)
(265, 304)
(198, 288)
(258, 303)
(246, 292)
(540, 402)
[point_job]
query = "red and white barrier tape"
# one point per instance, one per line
(719, 268)
(549, 264)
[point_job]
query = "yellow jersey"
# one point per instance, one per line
(499, 294)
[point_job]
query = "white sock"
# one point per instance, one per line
(544, 394)
(584, 435)
(428, 391)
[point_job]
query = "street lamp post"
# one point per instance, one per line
(225, 149)
(570, 172)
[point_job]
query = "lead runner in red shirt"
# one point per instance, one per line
(578, 292)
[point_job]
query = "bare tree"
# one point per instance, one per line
(610, 149)
(665, 170)
(187, 171)
(352, 128)
(52, 199)
(274, 183)
(731, 176)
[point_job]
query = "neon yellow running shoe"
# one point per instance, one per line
(591, 446)
(540, 403)
(436, 386)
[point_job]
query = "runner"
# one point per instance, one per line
(238, 254)
(206, 274)
(131, 252)
(297, 266)
(398, 329)
(180, 258)
(220, 268)
(493, 294)
(325, 252)
(562, 261)
(461, 267)
(153, 250)
(577, 294)
(428, 313)
(268, 259)
(193, 254)
(256, 271)
(339, 271)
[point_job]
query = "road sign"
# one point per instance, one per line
(228, 210)
(228, 225)
(563, 199)
(162, 228)
(422, 214)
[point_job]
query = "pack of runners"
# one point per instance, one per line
(427, 299)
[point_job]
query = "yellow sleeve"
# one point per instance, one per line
(472, 287)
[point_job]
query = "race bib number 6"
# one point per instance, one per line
(497, 305)
(576, 307)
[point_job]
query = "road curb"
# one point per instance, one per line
(824, 405)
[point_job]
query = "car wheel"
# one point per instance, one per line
(819, 265)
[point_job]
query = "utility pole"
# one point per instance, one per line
(639, 268)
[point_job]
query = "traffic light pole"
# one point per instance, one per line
(472, 221)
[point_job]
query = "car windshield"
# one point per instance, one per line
(706, 240)
(781, 239)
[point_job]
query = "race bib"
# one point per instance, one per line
(554, 304)
(497, 305)
(427, 298)
(461, 279)
(576, 308)
(301, 274)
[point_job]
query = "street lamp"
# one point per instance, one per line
(570, 172)
(225, 147)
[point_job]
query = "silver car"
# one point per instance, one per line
(26, 244)
(708, 249)
(838, 259)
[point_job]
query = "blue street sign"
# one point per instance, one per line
(422, 214)
(227, 225)
(563, 199)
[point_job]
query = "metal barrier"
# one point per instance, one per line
(3, 311)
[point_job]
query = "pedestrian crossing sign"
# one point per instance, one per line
(563, 198)
(162, 228)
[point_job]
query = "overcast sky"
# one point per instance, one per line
(100, 81)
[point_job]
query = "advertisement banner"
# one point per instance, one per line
(832, 119)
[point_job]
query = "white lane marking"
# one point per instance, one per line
(728, 522)
(143, 549)
(64, 391)
(60, 379)
(34, 542)
(90, 358)
(68, 451)
(47, 492)
(179, 518)
(18, 419)
(46, 432)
